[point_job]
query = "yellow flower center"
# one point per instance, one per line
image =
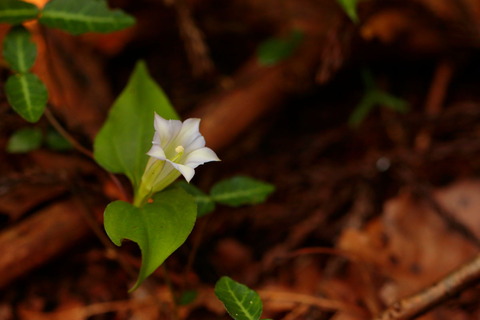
(179, 150)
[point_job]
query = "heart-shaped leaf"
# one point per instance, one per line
(16, 12)
(125, 138)
(241, 302)
(78, 17)
(18, 49)
(158, 228)
(27, 95)
(240, 191)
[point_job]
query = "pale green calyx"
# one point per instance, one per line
(177, 149)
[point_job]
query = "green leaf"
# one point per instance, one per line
(158, 228)
(241, 302)
(56, 141)
(187, 297)
(239, 191)
(125, 138)
(204, 202)
(27, 95)
(275, 50)
(363, 108)
(350, 8)
(16, 12)
(76, 17)
(372, 98)
(18, 49)
(387, 100)
(25, 140)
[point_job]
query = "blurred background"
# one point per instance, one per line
(365, 115)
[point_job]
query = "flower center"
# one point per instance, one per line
(179, 150)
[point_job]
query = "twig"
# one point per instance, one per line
(439, 87)
(202, 224)
(48, 114)
(195, 45)
(428, 298)
(64, 133)
(435, 100)
(56, 124)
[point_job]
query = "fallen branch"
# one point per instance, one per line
(425, 300)
(39, 238)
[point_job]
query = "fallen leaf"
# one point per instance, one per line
(411, 247)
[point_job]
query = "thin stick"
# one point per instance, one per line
(64, 133)
(425, 300)
(56, 124)
(196, 244)
(48, 114)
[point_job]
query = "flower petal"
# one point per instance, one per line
(157, 152)
(197, 143)
(162, 132)
(165, 130)
(177, 149)
(186, 171)
(190, 133)
(200, 156)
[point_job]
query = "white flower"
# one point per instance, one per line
(177, 149)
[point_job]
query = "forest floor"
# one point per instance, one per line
(362, 215)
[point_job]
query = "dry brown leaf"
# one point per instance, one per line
(411, 245)
(462, 199)
(307, 275)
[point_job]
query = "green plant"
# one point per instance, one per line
(372, 98)
(274, 50)
(241, 302)
(31, 138)
(161, 216)
(350, 8)
(233, 192)
(25, 140)
(25, 92)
